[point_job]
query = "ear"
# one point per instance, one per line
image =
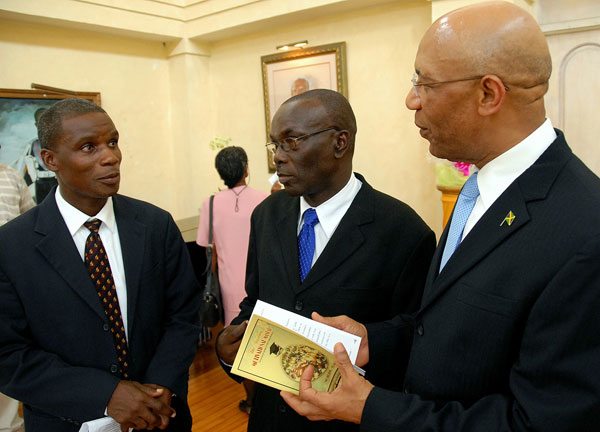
(341, 145)
(246, 170)
(492, 95)
(49, 159)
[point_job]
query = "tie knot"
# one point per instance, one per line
(310, 217)
(470, 189)
(93, 225)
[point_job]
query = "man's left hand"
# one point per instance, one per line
(165, 397)
(346, 402)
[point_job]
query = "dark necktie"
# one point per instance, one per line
(464, 206)
(306, 242)
(98, 267)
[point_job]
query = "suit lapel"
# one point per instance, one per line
(490, 231)
(345, 240)
(132, 235)
(59, 250)
(286, 227)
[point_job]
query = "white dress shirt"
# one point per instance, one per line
(330, 213)
(498, 174)
(109, 234)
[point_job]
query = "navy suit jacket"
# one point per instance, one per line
(56, 351)
(373, 267)
(508, 334)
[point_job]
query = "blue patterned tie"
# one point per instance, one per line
(464, 206)
(306, 242)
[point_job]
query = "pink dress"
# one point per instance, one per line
(231, 232)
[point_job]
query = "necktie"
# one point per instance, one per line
(98, 267)
(306, 242)
(464, 206)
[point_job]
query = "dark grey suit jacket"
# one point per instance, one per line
(56, 351)
(373, 267)
(508, 335)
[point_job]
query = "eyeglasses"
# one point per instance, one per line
(291, 143)
(416, 84)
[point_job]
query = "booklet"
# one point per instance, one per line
(279, 345)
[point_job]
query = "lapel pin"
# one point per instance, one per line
(510, 217)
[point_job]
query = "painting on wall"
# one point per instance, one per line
(290, 73)
(19, 111)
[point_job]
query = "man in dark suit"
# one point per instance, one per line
(371, 250)
(72, 350)
(508, 334)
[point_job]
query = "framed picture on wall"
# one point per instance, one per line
(289, 73)
(19, 111)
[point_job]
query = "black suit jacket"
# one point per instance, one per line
(55, 351)
(508, 335)
(373, 267)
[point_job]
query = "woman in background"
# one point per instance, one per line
(232, 208)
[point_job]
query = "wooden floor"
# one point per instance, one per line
(213, 397)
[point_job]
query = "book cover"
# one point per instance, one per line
(276, 356)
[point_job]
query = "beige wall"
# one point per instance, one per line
(168, 104)
(133, 78)
(381, 44)
(170, 99)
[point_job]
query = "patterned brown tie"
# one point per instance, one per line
(98, 267)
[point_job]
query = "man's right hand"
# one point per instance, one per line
(229, 342)
(347, 324)
(134, 405)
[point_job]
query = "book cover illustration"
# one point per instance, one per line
(276, 356)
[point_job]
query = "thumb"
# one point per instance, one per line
(240, 329)
(343, 361)
(151, 390)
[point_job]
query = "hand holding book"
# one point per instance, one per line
(278, 346)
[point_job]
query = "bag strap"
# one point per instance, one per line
(210, 219)
(209, 247)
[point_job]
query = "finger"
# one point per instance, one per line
(341, 322)
(164, 422)
(152, 390)
(238, 331)
(306, 379)
(302, 407)
(343, 361)
(155, 408)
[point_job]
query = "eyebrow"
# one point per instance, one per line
(113, 134)
(286, 132)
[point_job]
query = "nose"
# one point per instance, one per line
(413, 101)
(111, 156)
(279, 156)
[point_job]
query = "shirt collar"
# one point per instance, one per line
(498, 174)
(75, 218)
(328, 211)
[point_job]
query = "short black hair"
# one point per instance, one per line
(49, 124)
(231, 164)
(38, 112)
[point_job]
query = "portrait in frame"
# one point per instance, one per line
(19, 111)
(289, 73)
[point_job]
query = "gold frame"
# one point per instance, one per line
(48, 94)
(338, 48)
(22, 104)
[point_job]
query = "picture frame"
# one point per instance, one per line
(292, 72)
(18, 133)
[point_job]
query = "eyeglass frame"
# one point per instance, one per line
(292, 143)
(416, 84)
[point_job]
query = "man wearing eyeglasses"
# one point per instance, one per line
(508, 334)
(370, 252)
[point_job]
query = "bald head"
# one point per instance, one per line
(493, 38)
(337, 108)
